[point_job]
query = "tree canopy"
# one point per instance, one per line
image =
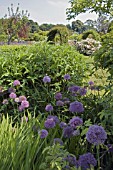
(81, 6)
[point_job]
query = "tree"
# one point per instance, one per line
(90, 24)
(15, 24)
(34, 27)
(82, 6)
(46, 27)
(78, 26)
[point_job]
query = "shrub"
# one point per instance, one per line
(91, 34)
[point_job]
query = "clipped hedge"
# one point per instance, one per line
(29, 64)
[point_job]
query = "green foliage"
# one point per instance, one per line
(3, 38)
(104, 56)
(62, 31)
(91, 34)
(81, 6)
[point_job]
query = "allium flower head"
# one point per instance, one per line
(10, 90)
(75, 121)
(59, 103)
(58, 96)
(71, 159)
(12, 95)
(82, 91)
(58, 140)
(62, 125)
(43, 133)
(49, 108)
(16, 83)
(76, 107)
(25, 104)
(55, 118)
(22, 98)
(5, 101)
(17, 100)
(73, 89)
(49, 123)
(46, 79)
(91, 83)
(96, 135)
(68, 132)
(20, 108)
(86, 160)
(67, 77)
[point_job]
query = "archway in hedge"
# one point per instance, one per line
(58, 34)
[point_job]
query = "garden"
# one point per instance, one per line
(56, 100)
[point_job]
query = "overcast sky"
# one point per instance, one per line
(44, 11)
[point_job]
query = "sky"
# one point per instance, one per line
(44, 11)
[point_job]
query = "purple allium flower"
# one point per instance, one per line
(71, 159)
(58, 96)
(67, 77)
(46, 79)
(86, 160)
(20, 108)
(68, 132)
(12, 95)
(55, 118)
(76, 132)
(63, 125)
(76, 107)
(58, 140)
(25, 104)
(75, 121)
(11, 90)
(96, 135)
(22, 98)
(59, 103)
(91, 83)
(16, 83)
(43, 133)
(17, 100)
(74, 89)
(82, 91)
(49, 123)
(66, 167)
(5, 101)
(49, 108)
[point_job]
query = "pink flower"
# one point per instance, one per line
(25, 104)
(16, 83)
(22, 98)
(12, 95)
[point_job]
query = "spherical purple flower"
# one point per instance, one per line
(96, 135)
(86, 160)
(58, 140)
(71, 159)
(49, 123)
(67, 77)
(20, 108)
(91, 83)
(12, 95)
(22, 98)
(62, 125)
(76, 132)
(10, 90)
(16, 83)
(46, 79)
(49, 108)
(43, 133)
(58, 96)
(59, 103)
(76, 107)
(55, 118)
(68, 132)
(82, 91)
(25, 104)
(5, 101)
(73, 89)
(75, 121)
